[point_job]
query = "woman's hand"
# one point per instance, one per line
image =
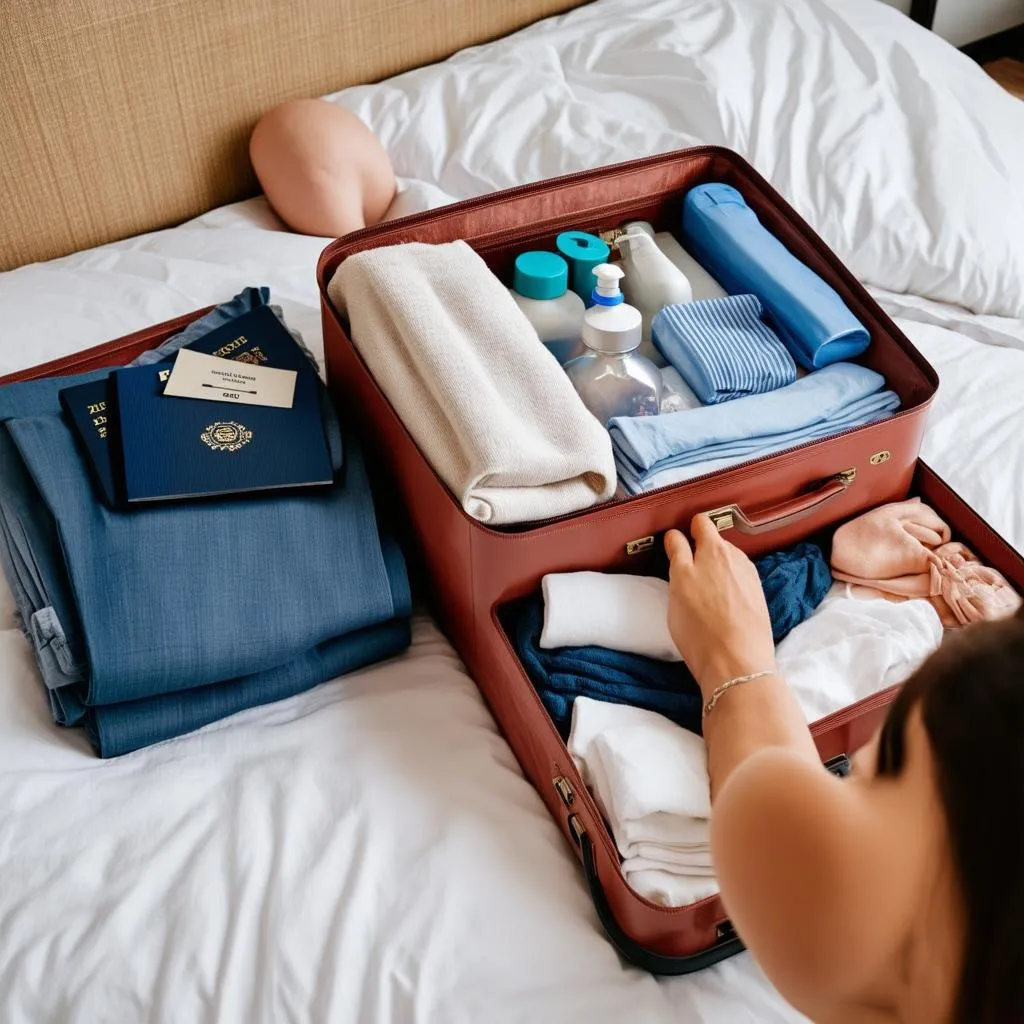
(717, 613)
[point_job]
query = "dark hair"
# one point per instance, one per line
(971, 696)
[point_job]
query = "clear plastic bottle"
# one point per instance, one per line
(611, 377)
(540, 288)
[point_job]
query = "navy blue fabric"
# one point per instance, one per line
(795, 582)
(562, 674)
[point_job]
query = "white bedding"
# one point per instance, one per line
(370, 851)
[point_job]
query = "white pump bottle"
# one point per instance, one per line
(611, 377)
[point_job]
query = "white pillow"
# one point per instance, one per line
(898, 149)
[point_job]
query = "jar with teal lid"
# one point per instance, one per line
(540, 289)
(582, 251)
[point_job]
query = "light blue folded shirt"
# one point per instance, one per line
(653, 451)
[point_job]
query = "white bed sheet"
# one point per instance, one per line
(370, 850)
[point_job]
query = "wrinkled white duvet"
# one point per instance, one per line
(369, 851)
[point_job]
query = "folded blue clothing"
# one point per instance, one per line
(651, 451)
(116, 729)
(126, 610)
(722, 348)
(795, 582)
(562, 674)
(728, 240)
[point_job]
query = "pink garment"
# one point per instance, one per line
(904, 551)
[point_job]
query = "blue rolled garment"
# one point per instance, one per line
(722, 348)
(795, 582)
(728, 240)
(653, 451)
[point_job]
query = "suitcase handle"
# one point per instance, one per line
(727, 517)
(656, 963)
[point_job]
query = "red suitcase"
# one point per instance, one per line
(474, 571)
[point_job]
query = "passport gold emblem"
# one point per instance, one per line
(226, 436)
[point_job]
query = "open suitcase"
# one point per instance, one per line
(474, 573)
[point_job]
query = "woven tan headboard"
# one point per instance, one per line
(121, 116)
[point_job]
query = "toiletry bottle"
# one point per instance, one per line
(539, 286)
(702, 284)
(611, 377)
(652, 282)
(582, 252)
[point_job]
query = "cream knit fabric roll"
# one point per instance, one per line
(487, 404)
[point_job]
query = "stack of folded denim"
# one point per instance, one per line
(151, 623)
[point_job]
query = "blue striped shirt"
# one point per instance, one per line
(722, 348)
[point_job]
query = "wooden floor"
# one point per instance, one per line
(1009, 74)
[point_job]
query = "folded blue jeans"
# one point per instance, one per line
(134, 615)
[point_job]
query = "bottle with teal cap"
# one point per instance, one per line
(540, 289)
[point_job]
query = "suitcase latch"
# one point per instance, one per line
(635, 547)
(879, 457)
(564, 790)
(847, 475)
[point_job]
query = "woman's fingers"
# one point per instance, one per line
(677, 547)
(704, 531)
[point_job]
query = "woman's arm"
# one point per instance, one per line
(719, 621)
(803, 867)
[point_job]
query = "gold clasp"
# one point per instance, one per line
(635, 547)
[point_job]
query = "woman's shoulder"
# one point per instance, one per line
(811, 871)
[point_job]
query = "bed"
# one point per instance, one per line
(369, 851)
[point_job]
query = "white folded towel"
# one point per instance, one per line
(611, 610)
(484, 400)
(649, 778)
(851, 648)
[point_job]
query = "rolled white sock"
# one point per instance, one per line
(611, 610)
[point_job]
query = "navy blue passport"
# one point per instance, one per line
(176, 448)
(255, 337)
(91, 417)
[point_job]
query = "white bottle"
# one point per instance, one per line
(652, 282)
(611, 377)
(702, 284)
(540, 288)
